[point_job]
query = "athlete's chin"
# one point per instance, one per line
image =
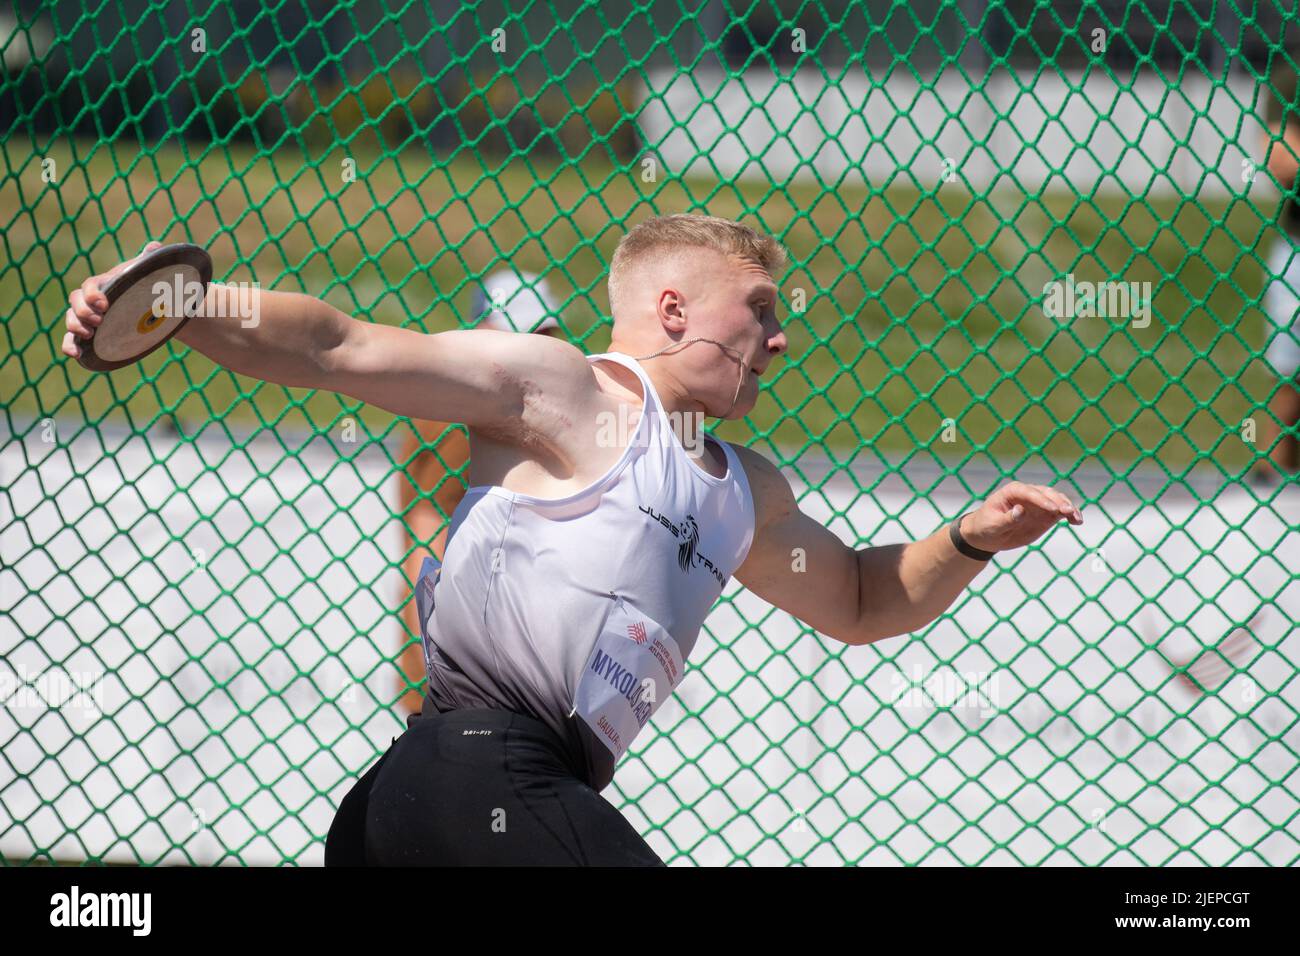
(744, 405)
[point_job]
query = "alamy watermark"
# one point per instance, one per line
(234, 300)
(975, 690)
(1104, 300)
(617, 430)
(79, 907)
(74, 690)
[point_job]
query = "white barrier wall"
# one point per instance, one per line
(1080, 132)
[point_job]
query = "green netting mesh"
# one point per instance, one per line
(201, 574)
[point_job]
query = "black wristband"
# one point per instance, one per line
(958, 542)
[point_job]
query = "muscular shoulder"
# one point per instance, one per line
(773, 497)
(552, 384)
(543, 359)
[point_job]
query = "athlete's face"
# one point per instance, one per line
(738, 309)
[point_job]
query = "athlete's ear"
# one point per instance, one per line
(672, 310)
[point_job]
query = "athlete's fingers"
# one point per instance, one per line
(1062, 503)
(1034, 495)
(90, 298)
(1052, 493)
(1068, 509)
(1058, 503)
(92, 288)
(91, 293)
(83, 310)
(77, 326)
(70, 346)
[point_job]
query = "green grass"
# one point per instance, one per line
(921, 306)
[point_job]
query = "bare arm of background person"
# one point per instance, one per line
(1282, 153)
(430, 486)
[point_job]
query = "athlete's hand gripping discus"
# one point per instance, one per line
(149, 301)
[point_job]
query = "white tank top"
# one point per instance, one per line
(581, 611)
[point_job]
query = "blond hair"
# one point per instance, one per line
(670, 234)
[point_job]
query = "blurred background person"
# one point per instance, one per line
(436, 470)
(1282, 297)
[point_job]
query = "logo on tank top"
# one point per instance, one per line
(688, 551)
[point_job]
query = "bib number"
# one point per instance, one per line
(634, 667)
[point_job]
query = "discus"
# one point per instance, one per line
(148, 303)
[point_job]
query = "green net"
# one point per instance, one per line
(1028, 241)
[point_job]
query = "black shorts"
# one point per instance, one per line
(479, 787)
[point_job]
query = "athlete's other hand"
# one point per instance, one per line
(88, 305)
(1016, 515)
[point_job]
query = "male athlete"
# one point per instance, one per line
(584, 559)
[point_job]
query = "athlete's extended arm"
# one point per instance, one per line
(861, 596)
(477, 377)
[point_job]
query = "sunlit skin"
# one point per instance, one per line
(531, 405)
(701, 292)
